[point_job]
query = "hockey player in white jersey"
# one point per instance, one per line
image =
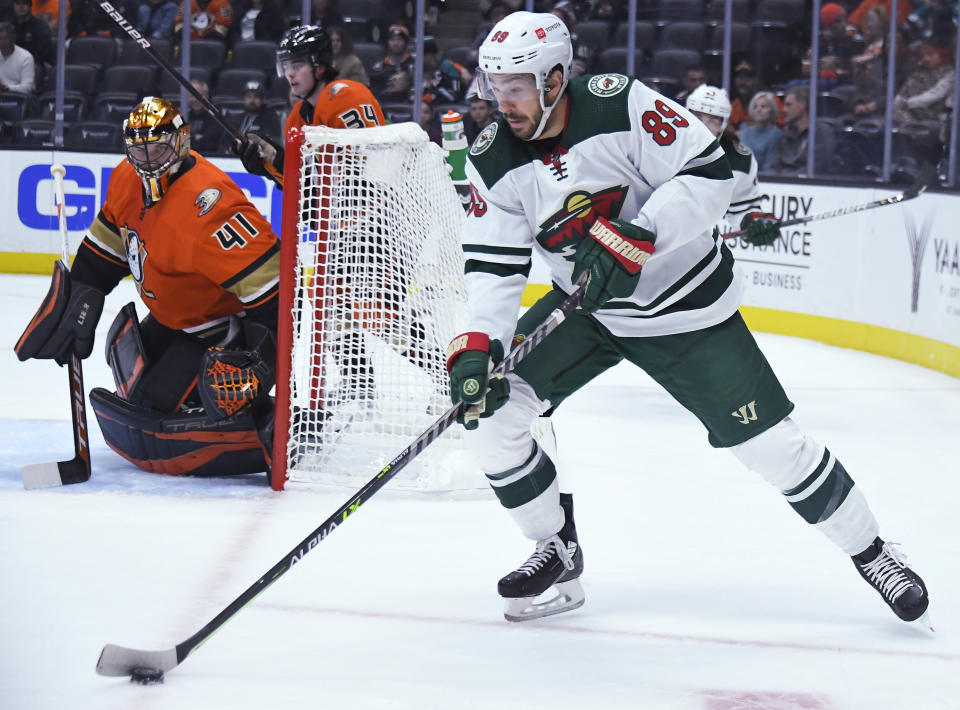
(711, 105)
(573, 169)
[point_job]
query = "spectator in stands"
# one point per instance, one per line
(857, 17)
(49, 11)
(875, 30)
(762, 135)
(16, 64)
(481, 114)
(87, 18)
(497, 13)
(839, 44)
(347, 64)
(205, 134)
(211, 19)
(746, 85)
(693, 76)
(933, 21)
(392, 76)
(792, 156)
(445, 80)
(258, 19)
(325, 13)
(33, 34)
(257, 117)
(155, 18)
(430, 121)
(923, 97)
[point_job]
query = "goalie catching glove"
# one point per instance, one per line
(471, 358)
(233, 379)
(66, 321)
(762, 229)
(256, 152)
(613, 254)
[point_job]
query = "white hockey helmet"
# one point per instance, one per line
(526, 43)
(712, 101)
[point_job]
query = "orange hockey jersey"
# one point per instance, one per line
(342, 104)
(198, 255)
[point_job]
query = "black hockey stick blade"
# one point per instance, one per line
(121, 661)
(77, 469)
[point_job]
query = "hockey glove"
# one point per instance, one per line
(256, 152)
(230, 380)
(66, 321)
(762, 229)
(613, 254)
(471, 358)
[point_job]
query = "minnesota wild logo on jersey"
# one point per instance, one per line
(562, 231)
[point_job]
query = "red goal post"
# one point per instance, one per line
(371, 291)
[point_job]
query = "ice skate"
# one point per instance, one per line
(556, 564)
(885, 568)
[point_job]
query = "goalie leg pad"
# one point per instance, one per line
(125, 352)
(179, 443)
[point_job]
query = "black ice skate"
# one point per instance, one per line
(885, 568)
(557, 562)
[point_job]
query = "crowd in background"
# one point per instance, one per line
(770, 64)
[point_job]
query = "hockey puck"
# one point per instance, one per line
(146, 676)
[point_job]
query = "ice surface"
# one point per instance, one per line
(704, 590)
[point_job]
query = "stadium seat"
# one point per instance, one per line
(279, 89)
(461, 54)
(715, 10)
(77, 77)
(672, 62)
(139, 80)
(397, 113)
(95, 51)
(230, 83)
(830, 105)
(679, 10)
(33, 131)
(256, 54)
(369, 53)
(683, 34)
(614, 59)
(97, 135)
(645, 33)
(787, 11)
(74, 106)
(739, 37)
(595, 34)
(114, 106)
(207, 53)
(13, 106)
(132, 54)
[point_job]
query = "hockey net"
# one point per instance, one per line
(371, 293)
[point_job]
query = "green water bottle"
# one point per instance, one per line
(455, 144)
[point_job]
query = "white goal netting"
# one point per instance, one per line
(378, 294)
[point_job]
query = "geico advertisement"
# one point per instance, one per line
(26, 175)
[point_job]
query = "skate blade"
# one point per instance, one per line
(569, 597)
(924, 622)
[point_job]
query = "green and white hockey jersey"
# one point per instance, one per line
(746, 191)
(626, 152)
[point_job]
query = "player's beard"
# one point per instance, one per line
(526, 129)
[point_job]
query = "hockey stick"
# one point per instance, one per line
(77, 469)
(908, 194)
(180, 79)
(120, 661)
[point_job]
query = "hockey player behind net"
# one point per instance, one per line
(600, 174)
(193, 376)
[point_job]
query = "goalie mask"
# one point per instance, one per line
(156, 140)
(711, 106)
(518, 56)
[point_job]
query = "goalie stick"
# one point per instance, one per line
(77, 469)
(908, 194)
(208, 106)
(121, 661)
